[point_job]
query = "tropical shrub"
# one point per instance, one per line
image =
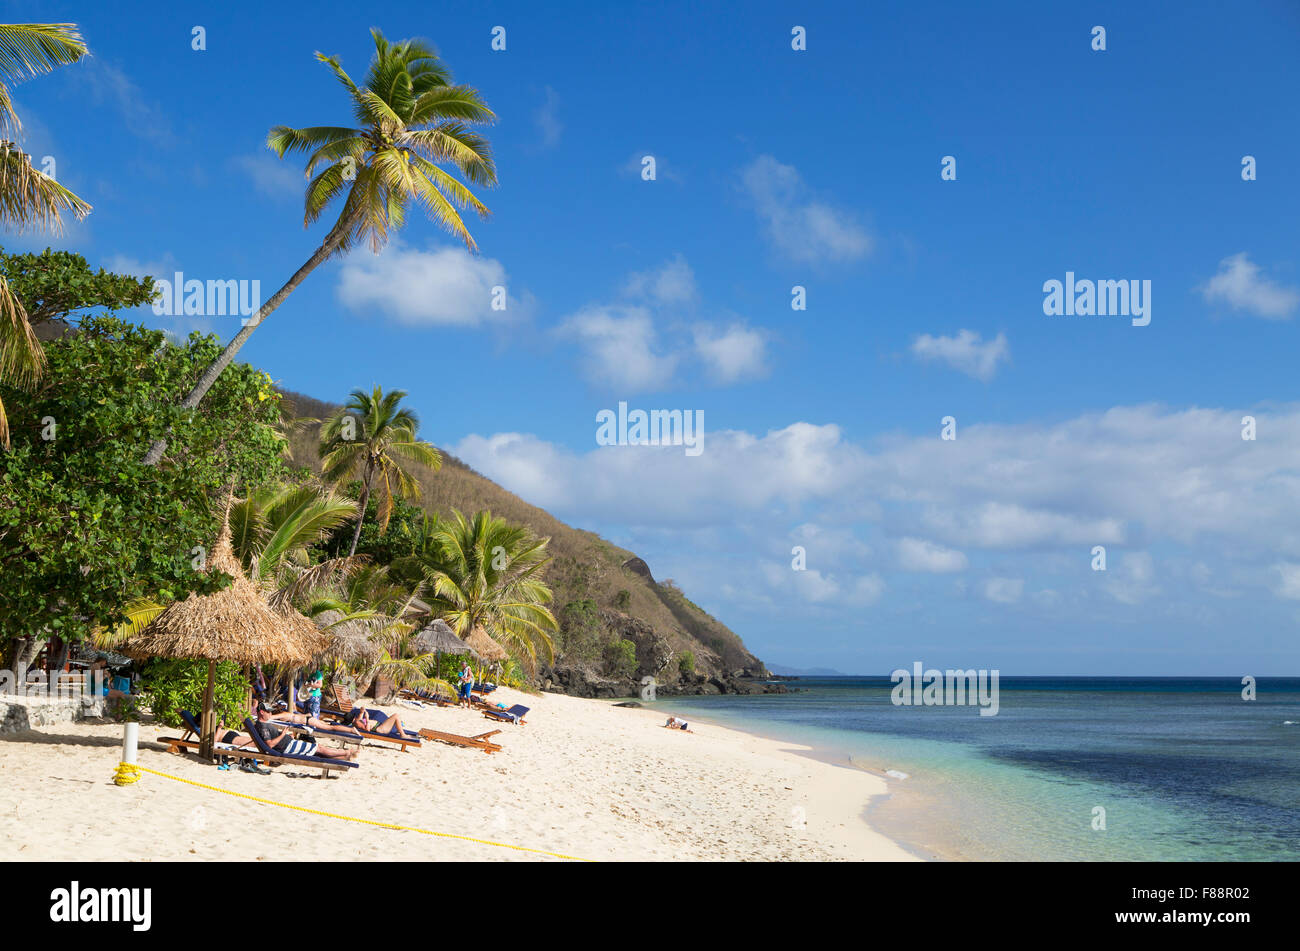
(168, 686)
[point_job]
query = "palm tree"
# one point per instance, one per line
(488, 575)
(28, 197)
(273, 529)
(373, 439)
(411, 119)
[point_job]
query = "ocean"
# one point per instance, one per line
(1070, 768)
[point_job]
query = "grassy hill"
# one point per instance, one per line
(603, 593)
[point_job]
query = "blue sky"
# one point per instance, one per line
(775, 168)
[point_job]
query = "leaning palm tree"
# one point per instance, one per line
(373, 438)
(28, 197)
(411, 120)
(488, 575)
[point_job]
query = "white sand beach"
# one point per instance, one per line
(581, 778)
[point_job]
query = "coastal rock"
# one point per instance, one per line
(638, 567)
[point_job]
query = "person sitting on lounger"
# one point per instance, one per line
(282, 741)
(676, 724)
(359, 718)
(310, 701)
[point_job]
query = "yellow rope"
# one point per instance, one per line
(126, 774)
(319, 812)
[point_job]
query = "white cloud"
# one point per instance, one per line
(439, 287)
(671, 283)
(547, 120)
(1240, 284)
(803, 228)
(621, 343)
(1132, 583)
(270, 176)
(917, 554)
(1288, 582)
(620, 347)
(737, 353)
(1004, 590)
(966, 352)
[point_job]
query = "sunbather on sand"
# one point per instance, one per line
(676, 724)
(360, 718)
(281, 741)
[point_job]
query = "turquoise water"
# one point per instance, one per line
(1184, 768)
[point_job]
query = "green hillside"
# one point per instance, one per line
(603, 594)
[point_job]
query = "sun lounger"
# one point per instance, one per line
(301, 729)
(478, 742)
(514, 715)
(271, 756)
(185, 744)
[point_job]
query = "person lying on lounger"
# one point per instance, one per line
(676, 724)
(282, 741)
(359, 718)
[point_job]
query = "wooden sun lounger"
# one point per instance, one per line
(478, 742)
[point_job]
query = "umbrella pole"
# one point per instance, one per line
(208, 725)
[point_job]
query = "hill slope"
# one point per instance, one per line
(603, 593)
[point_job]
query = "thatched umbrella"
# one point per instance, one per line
(234, 624)
(485, 647)
(349, 641)
(438, 638)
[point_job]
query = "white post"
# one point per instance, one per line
(130, 734)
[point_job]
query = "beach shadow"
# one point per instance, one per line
(62, 739)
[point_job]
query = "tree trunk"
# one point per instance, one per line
(361, 517)
(210, 375)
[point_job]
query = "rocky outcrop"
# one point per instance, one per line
(638, 567)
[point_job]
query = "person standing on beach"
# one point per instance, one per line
(466, 683)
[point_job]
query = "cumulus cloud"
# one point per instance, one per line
(966, 352)
(671, 283)
(801, 227)
(917, 554)
(640, 342)
(620, 347)
(439, 287)
(1241, 285)
(1134, 477)
(736, 353)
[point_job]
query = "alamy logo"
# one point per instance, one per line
(1098, 298)
(658, 427)
(945, 688)
(195, 298)
(61, 686)
(74, 904)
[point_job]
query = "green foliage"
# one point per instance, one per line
(59, 285)
(686, 662)
(580, 631)
(85, 527)
(623, 599)
(169, 686)
(620, 658)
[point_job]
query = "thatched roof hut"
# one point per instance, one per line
(349, 641)
(485, 647)
(437, 637)
(233, 624)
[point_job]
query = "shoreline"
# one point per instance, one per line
(581, 778)
(911, 839)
